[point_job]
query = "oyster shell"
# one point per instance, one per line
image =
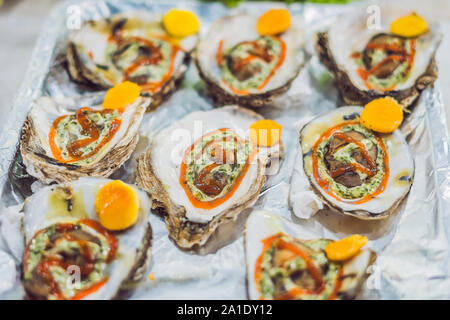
(262, 225)
(130, 46)
(43, 164)
(346, 50)
(354, 170)
(191, 221)
(69, 205)
(230, 33)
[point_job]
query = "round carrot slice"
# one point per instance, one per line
(345, 248)
(273, 22)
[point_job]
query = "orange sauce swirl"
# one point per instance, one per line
(400, 55)
(218, 201)
(310, 267)
(325, 184)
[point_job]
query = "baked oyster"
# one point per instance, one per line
(396, 58)
(249, 60)
(83, 241)
(280, 266)
(136, 47)
(62, 142)
(352, 169)
(206, 168)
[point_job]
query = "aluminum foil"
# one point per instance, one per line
(412, 245)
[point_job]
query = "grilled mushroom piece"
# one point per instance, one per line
(70, 255)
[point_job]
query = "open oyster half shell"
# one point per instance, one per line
(262, 225)
(37, 155)
(230, 32)
(327, 159)
(350, 34)
(158, 172)
(73, 203)
(130, 46)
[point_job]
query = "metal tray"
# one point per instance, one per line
(413, 246)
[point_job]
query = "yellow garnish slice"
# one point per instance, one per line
(265, 133)
(409, 26)
(345, 248)
(121, 95)
(180, 23)
(382, 115)
(273, 22)
(117, 205)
